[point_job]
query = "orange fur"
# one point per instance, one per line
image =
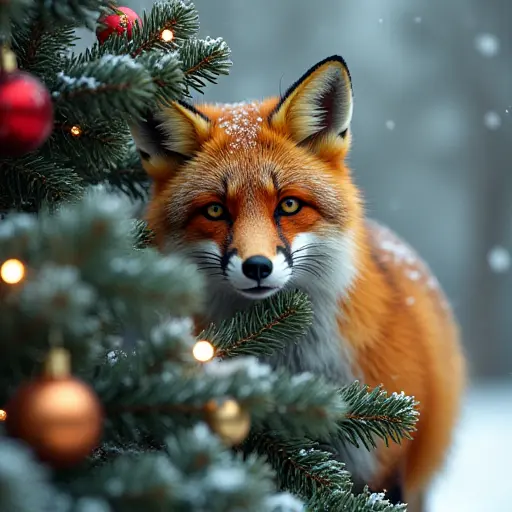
(394, 316)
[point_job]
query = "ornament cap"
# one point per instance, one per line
(57, 364)
(8, 62)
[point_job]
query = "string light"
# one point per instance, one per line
(203, 351)
(12, 271)
(76, 131)
(3, 415)
(166, 35)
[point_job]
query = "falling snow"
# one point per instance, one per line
(488, 45)
(242, 122)
(400, 252)
(390, 125)
(414, 267)
(492, 120)
(499, 259)
(284, 502)
(417, 19)
(413, 275)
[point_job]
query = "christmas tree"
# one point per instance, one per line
(108, 401)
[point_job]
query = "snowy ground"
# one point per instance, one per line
(477, 475)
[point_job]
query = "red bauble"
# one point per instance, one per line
(122, 20)
(26, 113)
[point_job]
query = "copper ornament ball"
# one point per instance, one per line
(60, 418)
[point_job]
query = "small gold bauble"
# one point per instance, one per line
(230, 421)
(7, 60)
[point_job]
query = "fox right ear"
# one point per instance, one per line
(318, 107)
(168, 137)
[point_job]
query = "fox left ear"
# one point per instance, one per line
(168, 137)
(318, 105)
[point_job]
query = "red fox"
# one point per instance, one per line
(259, 194)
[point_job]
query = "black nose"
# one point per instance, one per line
(257, 267)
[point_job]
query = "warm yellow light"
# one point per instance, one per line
(3, 415)
(12, 271)
(203, 351)
(76, 131)
(167, 36)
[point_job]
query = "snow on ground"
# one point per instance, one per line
(477, 475)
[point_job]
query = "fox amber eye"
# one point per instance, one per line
(289, 206)
(214, 211)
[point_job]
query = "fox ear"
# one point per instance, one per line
(168, 137)
(319, 104)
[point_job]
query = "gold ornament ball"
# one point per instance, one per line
(61, 419)
(230, 421)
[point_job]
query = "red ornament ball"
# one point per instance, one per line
(26, 113)
(121, 21)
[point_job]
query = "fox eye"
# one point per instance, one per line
(289, 206)
(214, 211)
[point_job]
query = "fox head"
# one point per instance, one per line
(258, 193)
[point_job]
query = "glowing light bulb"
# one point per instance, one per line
(3, 415)
(76, 131)
(12, 271)
(166, 35)
(203, 351)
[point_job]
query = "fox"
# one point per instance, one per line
(259, 194)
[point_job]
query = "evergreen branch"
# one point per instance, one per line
(166, 73)
(40, 48)
(25, 484)
(76, 12)
(174, 15)
(29, 182)
(97, 146)
(132, 181)
(15, 10)
(170, 480)
(178, 397)
(164, 285)
(313, 475)
(109, 87)
(304, 404)
(142, 234)
(177, 16)
(375, 413)
(268, 326)
(204, 60)
(300, 467)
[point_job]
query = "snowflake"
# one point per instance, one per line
(492, 120)
(488, 45)
(499, 259)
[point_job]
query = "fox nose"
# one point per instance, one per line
(257, 267)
